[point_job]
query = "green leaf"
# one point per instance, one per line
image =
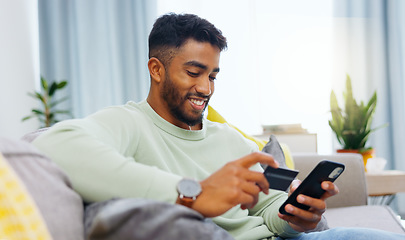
(32, 94)
(54, 103)
(62, 84)
(37, 111)
(40, 97)
(52, 89)
(44, 83)
(27, 117)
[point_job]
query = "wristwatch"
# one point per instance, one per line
(189, 190)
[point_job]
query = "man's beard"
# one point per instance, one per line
(176, 102)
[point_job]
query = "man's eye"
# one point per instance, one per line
(193, 74)
(212, 78)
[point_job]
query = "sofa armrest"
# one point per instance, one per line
(352, 182)
(60, 206)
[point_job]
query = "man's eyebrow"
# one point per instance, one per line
(199, 65)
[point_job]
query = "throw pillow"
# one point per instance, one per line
(60, 206)
(273, 147)
(19, 216)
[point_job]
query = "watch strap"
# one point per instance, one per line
(186, 201)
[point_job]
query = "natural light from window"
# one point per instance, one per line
(279, 64)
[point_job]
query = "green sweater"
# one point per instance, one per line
(130, 151)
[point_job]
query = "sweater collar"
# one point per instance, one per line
(171, 129)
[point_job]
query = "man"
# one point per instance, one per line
(153, 149)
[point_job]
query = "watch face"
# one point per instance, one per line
(189, 188)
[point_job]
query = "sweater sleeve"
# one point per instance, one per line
(267, 208)
(97, 154)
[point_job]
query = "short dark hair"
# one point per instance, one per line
(171, 31)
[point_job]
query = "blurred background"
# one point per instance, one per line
(283, 60)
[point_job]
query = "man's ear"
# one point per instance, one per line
(156, 69)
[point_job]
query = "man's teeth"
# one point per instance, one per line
(197, 102)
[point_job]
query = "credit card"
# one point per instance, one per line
(279, 178)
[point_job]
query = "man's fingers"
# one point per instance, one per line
(235, 184)
(300, 224)
(330, 188)
(317, 205)
(258, 179)
(302, 214)
(248, 197)
(257, 157)
(294, 184)
(250, 188)
(303, 220)
(253, 191)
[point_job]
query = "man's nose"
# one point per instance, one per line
(204, 86)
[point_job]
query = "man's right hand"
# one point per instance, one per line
(233, 184)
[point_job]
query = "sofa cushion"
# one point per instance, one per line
(19, 215)
(352, 183)
(60, 206)
(368, 216)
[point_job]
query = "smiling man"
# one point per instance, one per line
(163, 149)
(183, 85)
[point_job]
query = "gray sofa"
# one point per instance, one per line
(349, 208)
(63, 213)
(60, 206)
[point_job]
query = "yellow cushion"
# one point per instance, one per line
(214, 116)
(289, 161)
(19, 216)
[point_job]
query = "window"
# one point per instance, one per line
(279, 63)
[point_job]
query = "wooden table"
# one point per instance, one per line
(385, 185)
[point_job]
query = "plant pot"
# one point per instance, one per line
(366, 154)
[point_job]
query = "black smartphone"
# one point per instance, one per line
(311, 186)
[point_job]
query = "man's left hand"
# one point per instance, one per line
(307, 220)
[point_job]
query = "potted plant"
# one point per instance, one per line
(47, 114)
(352, 125)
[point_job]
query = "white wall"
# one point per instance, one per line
(19, 65)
